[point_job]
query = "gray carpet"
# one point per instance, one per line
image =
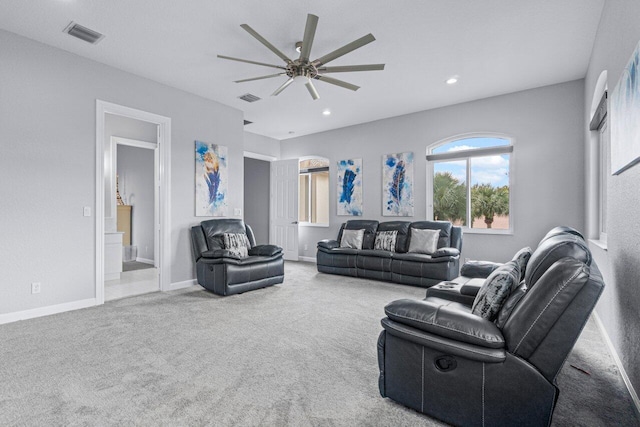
(298, 354)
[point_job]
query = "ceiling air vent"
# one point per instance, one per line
(83, 33)
(249, 98)
(247, 122)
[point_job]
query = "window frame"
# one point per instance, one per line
(604, 172)
(477, 152)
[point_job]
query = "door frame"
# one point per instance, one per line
(164, 172)
(274, 206)
(117, 140)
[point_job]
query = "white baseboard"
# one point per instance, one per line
(145, 260)
(616, 358)
(182, 285)
(307, 259)
(46, 311)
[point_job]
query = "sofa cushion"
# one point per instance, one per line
(445, 228)
(369, 226)
(237, 243)
(352, 239)
(495, 290)
(214, 230)
(423, 241)
(553, 249)
(482, 269)
(265, 250)
(386, 241)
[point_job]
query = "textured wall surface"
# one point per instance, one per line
(548, 162)
(618, 35)
(48, 166)
(257, 176)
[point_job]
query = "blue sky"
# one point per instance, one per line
(493, 170)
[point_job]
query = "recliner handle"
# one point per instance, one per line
(445, 363)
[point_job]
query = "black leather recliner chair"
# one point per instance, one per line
(224, 273)
(438, 358)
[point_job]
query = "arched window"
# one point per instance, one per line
(314, 192)
(469, 182)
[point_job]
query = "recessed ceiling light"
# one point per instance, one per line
(452, 80)
(326, 112)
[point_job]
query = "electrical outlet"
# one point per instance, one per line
(35, 288)
(86, 211)
(237, 211)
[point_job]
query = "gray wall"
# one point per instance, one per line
(261, 144)
(257, 176)
(548, 168)
(136, 174)
(617, 36)
(47, 167)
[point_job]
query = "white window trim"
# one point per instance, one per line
(510, 149)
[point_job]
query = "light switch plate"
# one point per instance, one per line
(86, 211)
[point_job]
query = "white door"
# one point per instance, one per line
(283, 227)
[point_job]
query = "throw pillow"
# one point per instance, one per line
(386, 240)
(352, 239)
(424, 241)
(495, 290)
(237, 244)
(522, 258)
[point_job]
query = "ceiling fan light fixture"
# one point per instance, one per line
(298, 46)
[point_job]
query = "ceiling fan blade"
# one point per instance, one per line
(344, 49)
(259, 78)
(251, 62)
(283, 87)
(337, 82)
(312, 90)
(349, 68)
(309, 34)
(264, 41)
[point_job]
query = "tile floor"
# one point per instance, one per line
(132, 283)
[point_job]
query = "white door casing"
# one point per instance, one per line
(283, 227)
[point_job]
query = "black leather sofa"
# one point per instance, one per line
(224, 273)
(438, 358)
(399, 266)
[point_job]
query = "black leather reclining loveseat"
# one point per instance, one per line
(438, 357)
(398, 265)
(225, 273)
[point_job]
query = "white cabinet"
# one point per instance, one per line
(112, 255)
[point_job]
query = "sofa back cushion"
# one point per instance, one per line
(445, 231)
(553, 249)
(369, 226)
(402, 238)
(214, 229)
(561, 229)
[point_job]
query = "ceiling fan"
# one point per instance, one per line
(305, 70)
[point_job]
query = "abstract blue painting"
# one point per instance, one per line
(211, 179)
(349, 187)
(397, 184)
(625, 117)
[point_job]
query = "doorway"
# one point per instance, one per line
(109, 241)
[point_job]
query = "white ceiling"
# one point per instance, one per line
(495, 46)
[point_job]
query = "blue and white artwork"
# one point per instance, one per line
(625, 117)
(350, 187)
(397, 184)
(211, 179)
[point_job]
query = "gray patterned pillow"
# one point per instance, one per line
(237, 244)
(522, 258)
(495, 290)
(386, 241)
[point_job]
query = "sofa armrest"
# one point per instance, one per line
(481, 269)
(219, 253)
(446, 322)
(328, 244)
(265, 250)
(444, 252)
